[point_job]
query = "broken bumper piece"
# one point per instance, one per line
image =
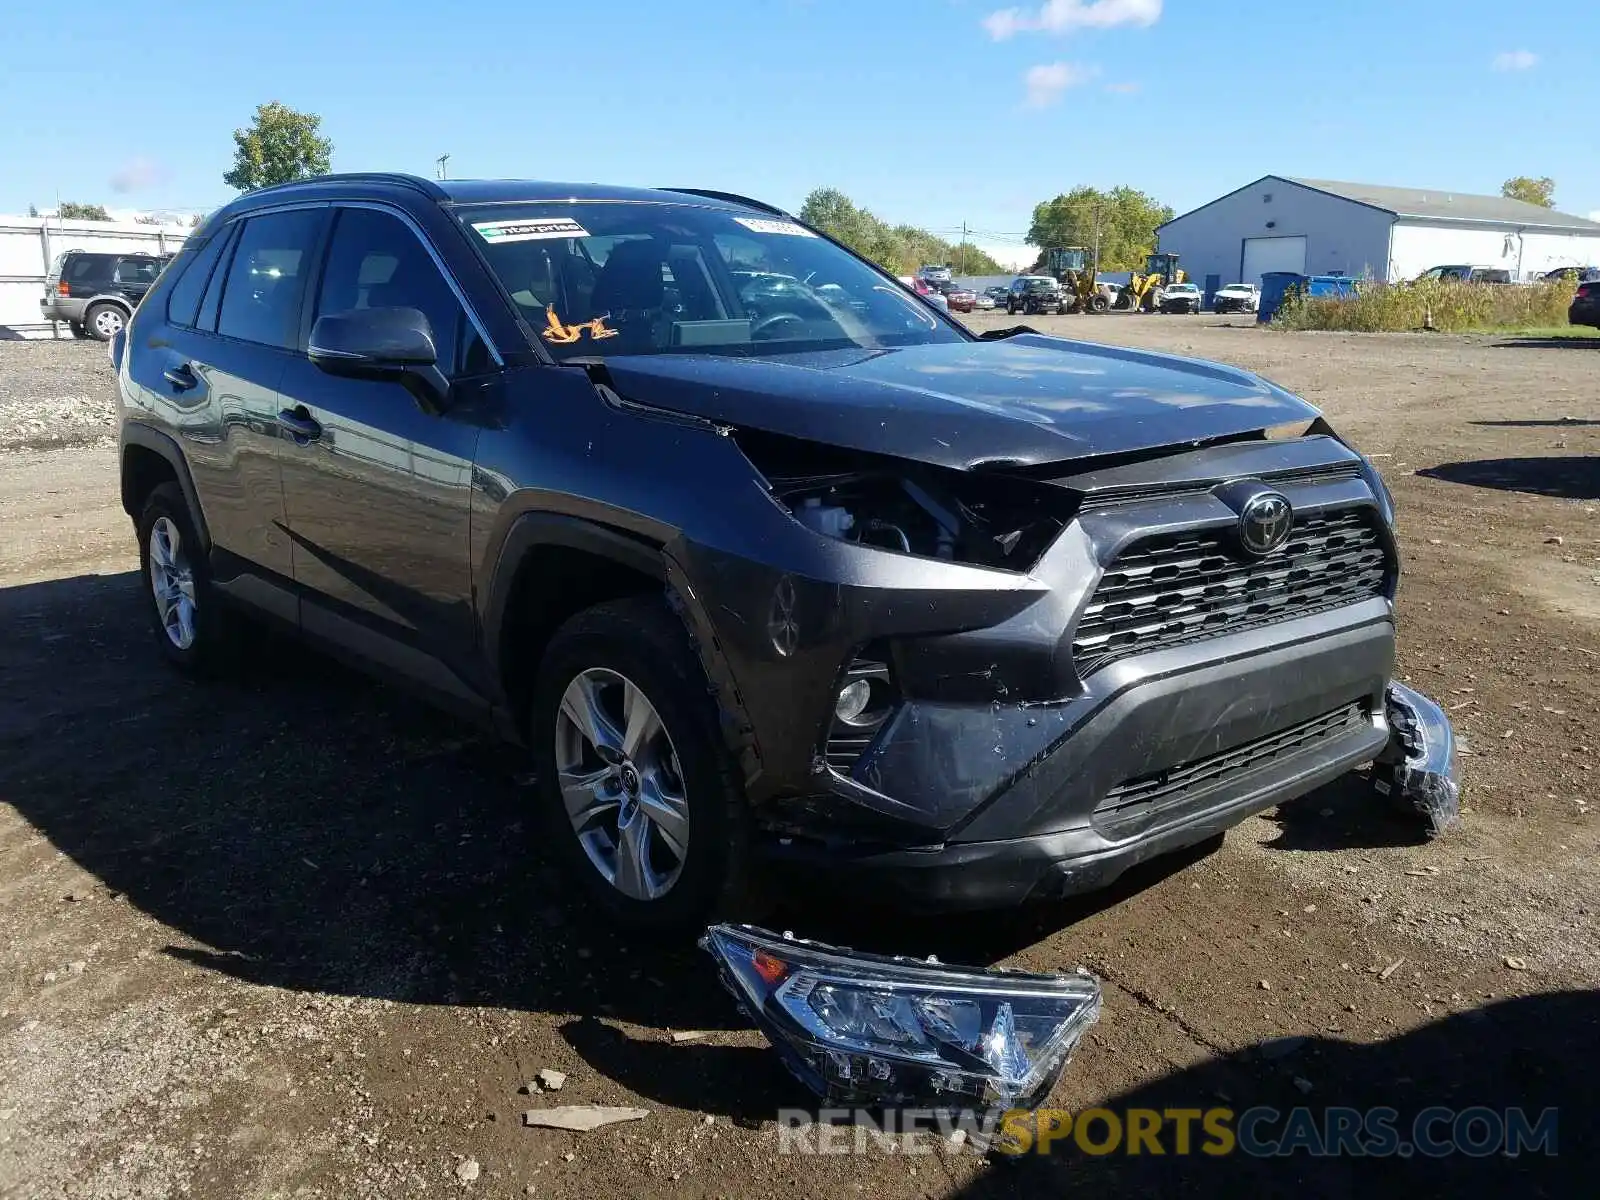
(869, 1030)
(1418, 769)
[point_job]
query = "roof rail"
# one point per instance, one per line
(732, 198)
(395, 178)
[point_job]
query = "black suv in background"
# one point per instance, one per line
(758, 554)
(96, 293)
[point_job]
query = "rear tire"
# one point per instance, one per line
(671, 800)
(193, 631)
(104, 321)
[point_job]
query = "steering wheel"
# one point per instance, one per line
(760, 328)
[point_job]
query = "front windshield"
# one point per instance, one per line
(613, 278)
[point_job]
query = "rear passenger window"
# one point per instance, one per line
(183, 301)
(137, 270)
(266, 279)
(376, 261)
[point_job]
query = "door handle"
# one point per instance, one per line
(300, 423)
(181, 377)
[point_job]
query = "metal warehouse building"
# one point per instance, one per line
(1319, 227)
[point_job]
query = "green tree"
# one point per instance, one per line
(899, 249)
(1125, 217)
(280, 146)
(71, 210)
(1539, 191)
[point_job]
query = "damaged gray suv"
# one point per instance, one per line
(760, 557)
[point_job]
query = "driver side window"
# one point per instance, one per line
(375, 261)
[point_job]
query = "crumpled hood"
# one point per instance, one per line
(1023, 401)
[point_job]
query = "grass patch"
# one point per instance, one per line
(1447, 306)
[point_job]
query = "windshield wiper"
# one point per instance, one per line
(996, 335)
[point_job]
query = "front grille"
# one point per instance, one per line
(1173, 589)
(1135, 799)
(844, 751)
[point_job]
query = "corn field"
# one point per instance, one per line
(1449, 306)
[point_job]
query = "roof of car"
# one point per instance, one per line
(501, 191)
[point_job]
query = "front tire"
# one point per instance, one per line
(639, 796)
(192, 631)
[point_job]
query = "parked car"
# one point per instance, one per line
(1467, 274)
(934, 274)
(998, 294)
(1237, 297)
(95, 293)
(926, 290)
(1585, 308)
(983, 301)
(1033, 294)
(961, 299)
(1180, 298)
(1580, 274)
(372, 408)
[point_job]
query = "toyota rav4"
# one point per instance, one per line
(757, 554)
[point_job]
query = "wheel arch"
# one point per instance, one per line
(593, 562)
(150, 458)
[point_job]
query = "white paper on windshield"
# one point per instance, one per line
(531, 229)
(785, 228)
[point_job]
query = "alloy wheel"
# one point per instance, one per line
(172, 582)
(108, 322)
(622, 784)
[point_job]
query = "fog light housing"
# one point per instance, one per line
(855, 698)
(866, 1029)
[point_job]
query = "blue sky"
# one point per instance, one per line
(935, 112)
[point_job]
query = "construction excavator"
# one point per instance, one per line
(1144, 290)
(1080, 293)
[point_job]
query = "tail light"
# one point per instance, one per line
(1586, 290)
(64, 288)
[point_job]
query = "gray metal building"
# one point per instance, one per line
(1323, 227)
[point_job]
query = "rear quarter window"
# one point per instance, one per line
(195, 269)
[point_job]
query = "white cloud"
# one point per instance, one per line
(1046, 83)
(1516, 60)
(1595, 215)
(1064, 16)
(1131, 88)
(137, 174)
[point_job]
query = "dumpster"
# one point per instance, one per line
(1274, 286)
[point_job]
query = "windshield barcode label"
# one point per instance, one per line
(786, 228)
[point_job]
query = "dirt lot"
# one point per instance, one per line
(282, 936)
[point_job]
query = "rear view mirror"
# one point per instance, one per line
(381, 343)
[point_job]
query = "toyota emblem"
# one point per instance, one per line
(1264, 523)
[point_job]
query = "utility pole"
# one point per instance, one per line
(963, 247)
(1095, 268)
(442, 160)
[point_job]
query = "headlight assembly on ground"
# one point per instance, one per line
(863, 1029)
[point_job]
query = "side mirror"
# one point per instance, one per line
(381, 343)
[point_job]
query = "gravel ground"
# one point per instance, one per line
(55, 394)
(283, 935)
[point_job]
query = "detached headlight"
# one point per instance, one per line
(864, 1029)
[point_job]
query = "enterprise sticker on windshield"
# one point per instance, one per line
(529, 230)
(786, 228)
